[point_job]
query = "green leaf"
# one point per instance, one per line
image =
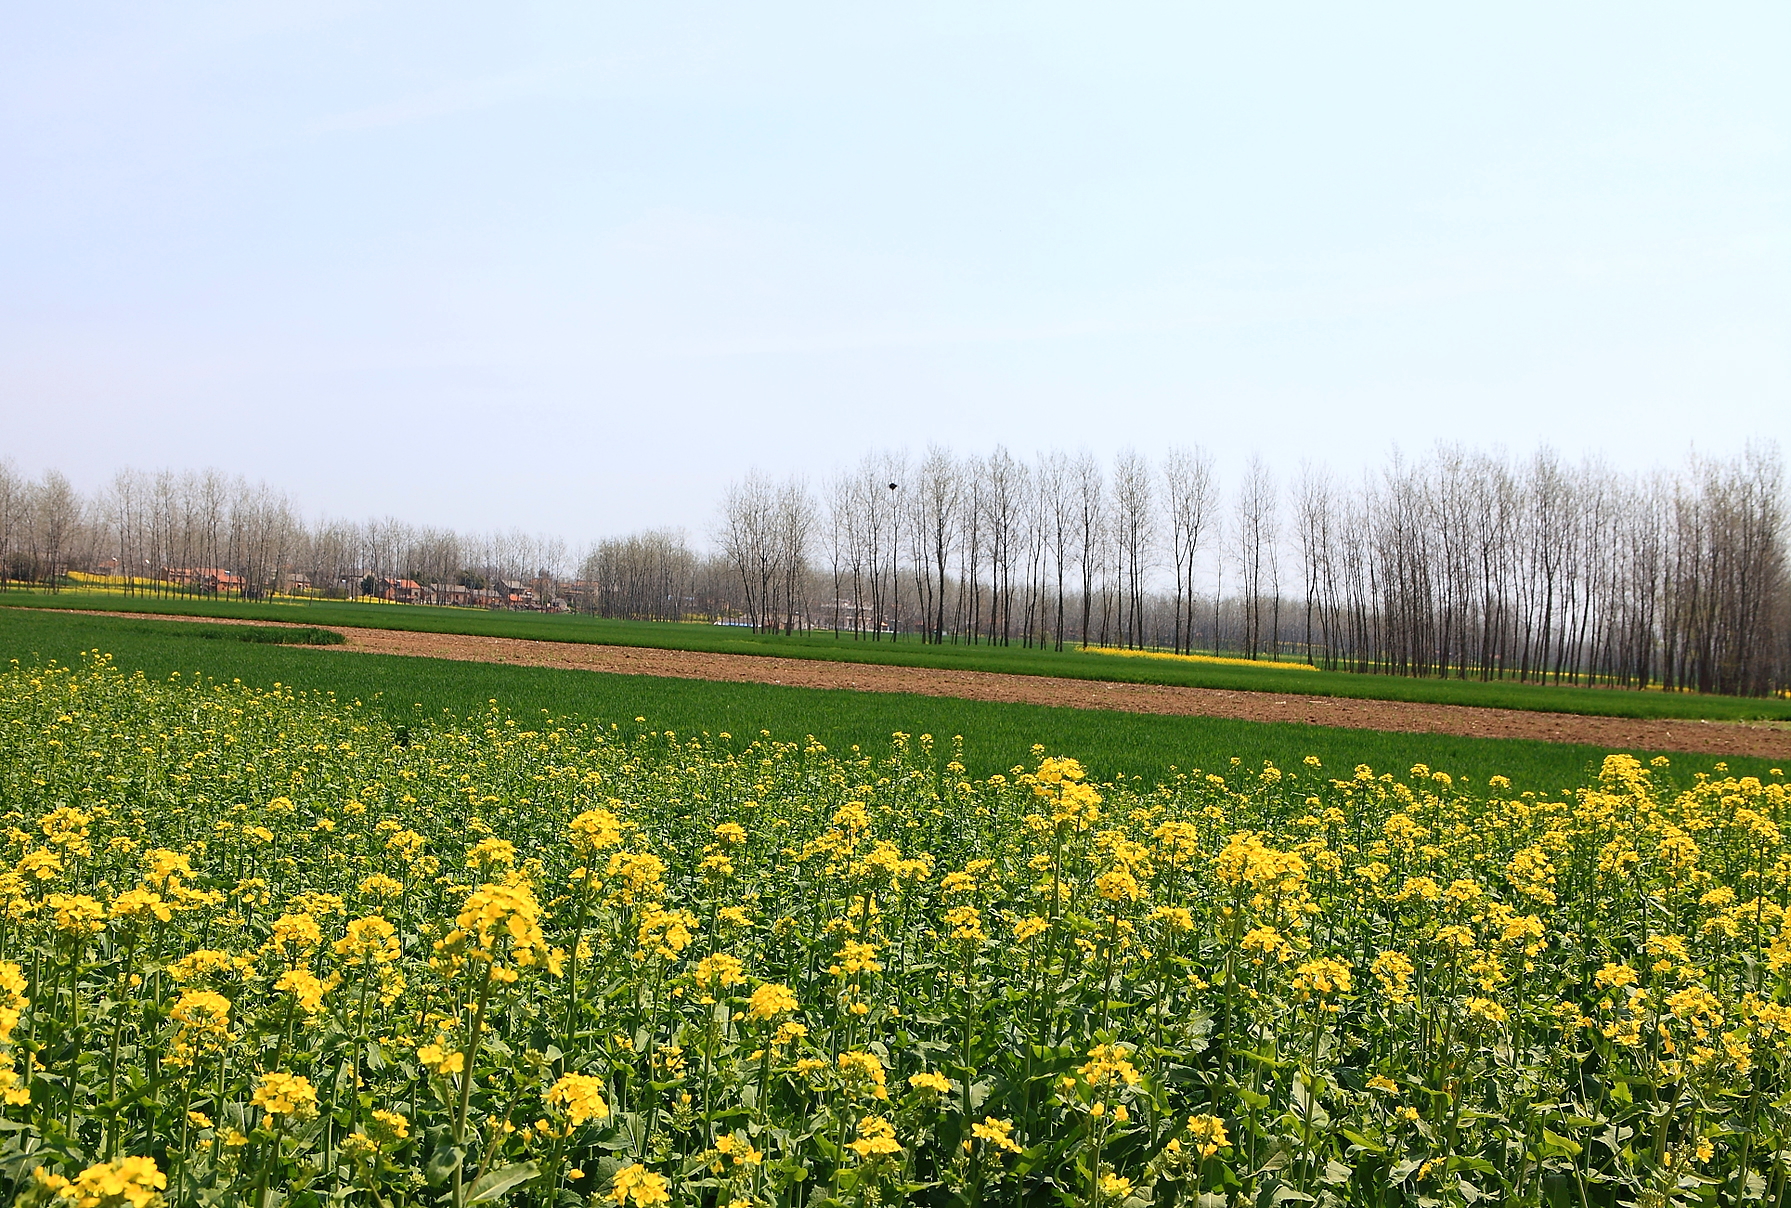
(1555, 1143)
(494, 1183)
(443, 1163)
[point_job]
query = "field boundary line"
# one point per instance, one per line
(1763, 740)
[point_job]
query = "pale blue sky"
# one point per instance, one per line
(572, 267)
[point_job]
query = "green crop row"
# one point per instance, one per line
(997, 736)
(909, 652)
(263, 947)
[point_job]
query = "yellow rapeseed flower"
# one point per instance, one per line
(280, 1094)
(998, 1133)
(132, 1182)
(580, 1096)
(637, 1187)
(1207, 1134)
(876, 1139)
(770, 1001)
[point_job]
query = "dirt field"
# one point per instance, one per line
(1762, 741)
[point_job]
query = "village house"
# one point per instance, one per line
(580, 593)
(212, 579)
(454, 595)
(401, 591)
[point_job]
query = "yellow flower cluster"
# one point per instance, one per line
(637, 1187)
(498, 921)
(580, 1096)
(770, 1001)
(135, 1182)
(285, 1095)
(253, 934)
(1207, 1134)
(876, 1139)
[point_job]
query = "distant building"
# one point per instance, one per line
(213, 579)
(580, 594)
(516, 594)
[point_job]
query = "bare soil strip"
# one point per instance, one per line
(1763, 741)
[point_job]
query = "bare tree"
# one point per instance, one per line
(55, 514)
(1133, 529)
(973, 546)
(795, 523)
(843, 547)
(1090, 523)
(1190, 488)
(1004, 482)
(748, 539)
(1059, 513)
(1316, 507)
(1255, 533)
(646, 576)
(937, 496)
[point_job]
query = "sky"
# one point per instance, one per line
(575, 267)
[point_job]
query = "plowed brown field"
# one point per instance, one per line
(1764, 740)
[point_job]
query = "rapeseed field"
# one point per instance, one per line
(258, 947)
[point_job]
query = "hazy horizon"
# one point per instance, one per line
(573, 270)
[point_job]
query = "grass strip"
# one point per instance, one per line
(1231, 675)
(414, 691)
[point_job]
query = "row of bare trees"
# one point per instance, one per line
(1458, 563)
(648, 576)
(1466, 564)
(1059, 550)
(39, 523)
(170, 533)
(993, 549)
(765, 533)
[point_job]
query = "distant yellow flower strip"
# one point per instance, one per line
(1218, 660)
(257, 949)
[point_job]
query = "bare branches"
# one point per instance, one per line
(1255, 532)
(1455, 563)
(765, 535)
(1191, 488)
(647, 576)
(1465, 565)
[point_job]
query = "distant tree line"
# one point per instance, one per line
(1465, 565)
(206, 532)
(1459, 563)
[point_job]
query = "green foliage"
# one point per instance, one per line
(1072, 664)
(266, 947)
(266, 635)
(997, 736)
